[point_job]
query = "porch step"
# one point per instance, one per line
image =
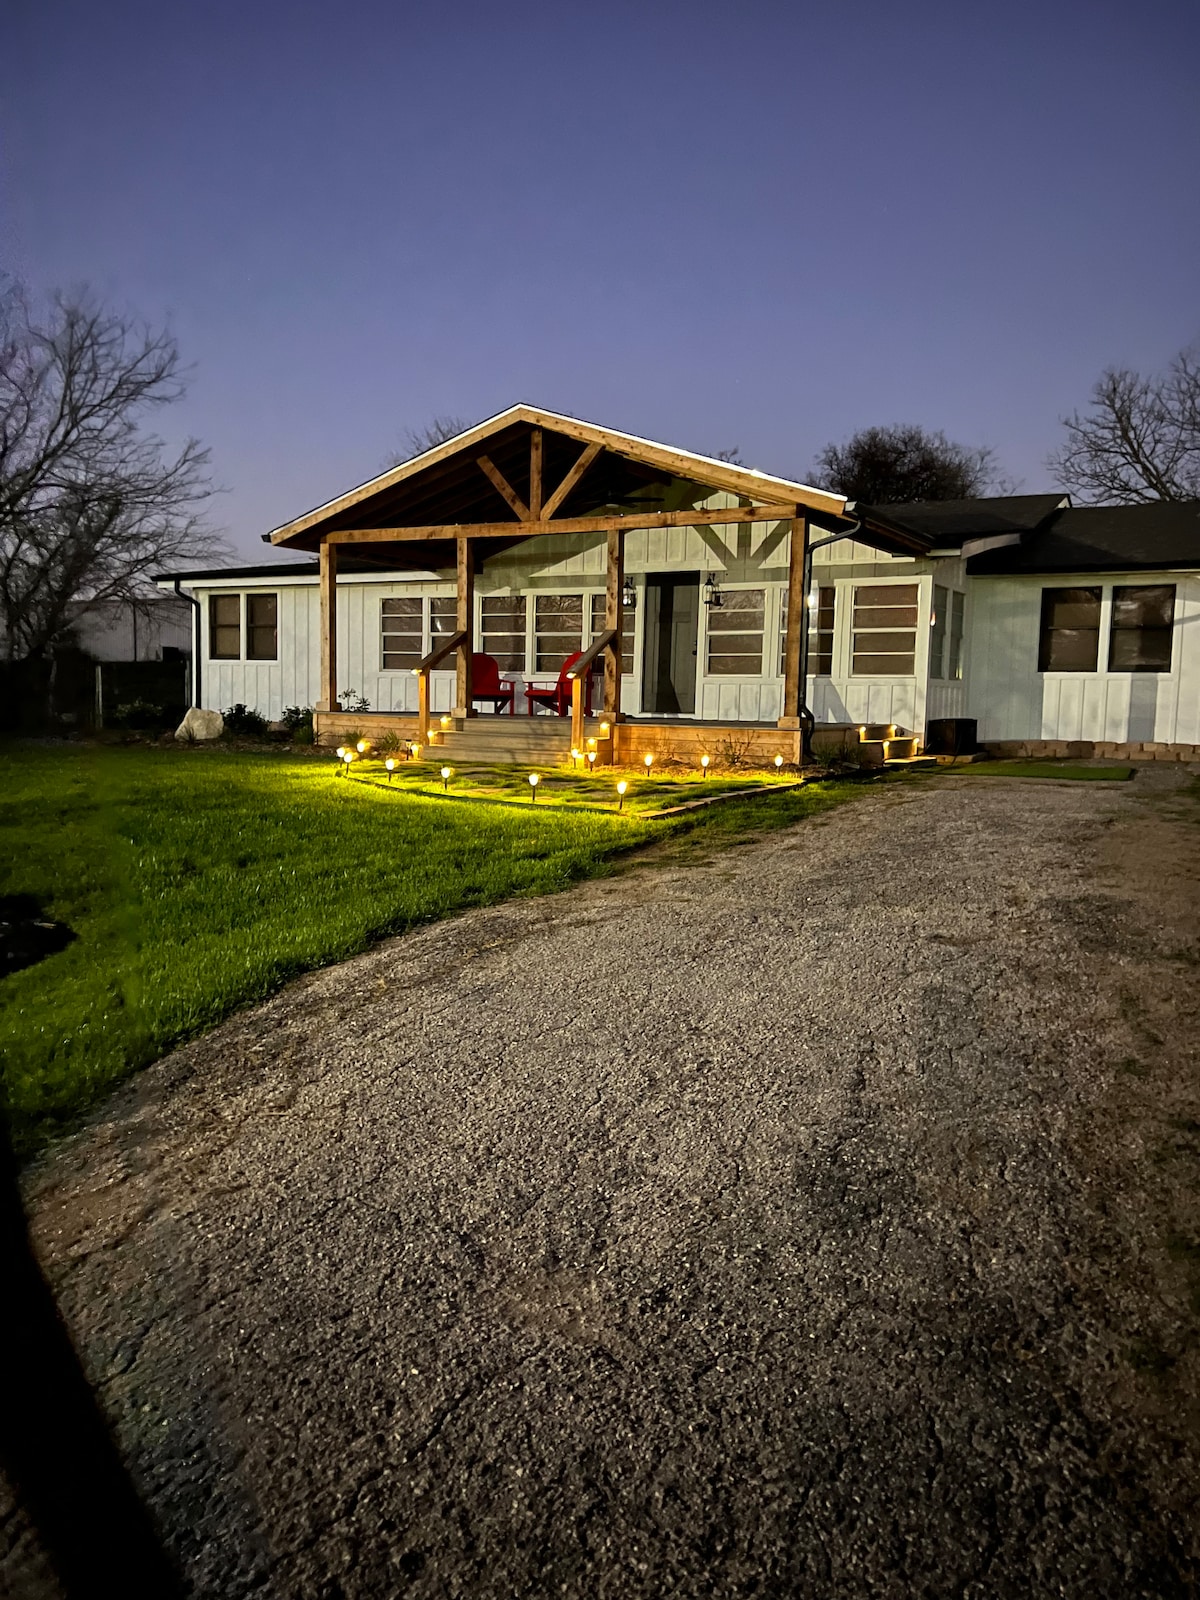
(499, 741)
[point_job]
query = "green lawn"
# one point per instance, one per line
(560, 786)
(1047, 768)
(199, 880)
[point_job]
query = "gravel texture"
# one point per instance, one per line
(798, 1219)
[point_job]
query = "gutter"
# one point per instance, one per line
(195, 605)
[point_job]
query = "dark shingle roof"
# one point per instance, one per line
(949, 522)
(1103, 539)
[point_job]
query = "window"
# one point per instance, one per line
(820, 633)
(443, 617)
(735, 634)
(558, 629)
(938, 631)
(885, 630)
(1143, 619)
(1070, 634)
(262, 619)
(225, 627)
(958, 607)
(403, 634)
(597, 627)
(946, 634)
(502, 631)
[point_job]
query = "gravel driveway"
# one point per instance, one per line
(800, 1219)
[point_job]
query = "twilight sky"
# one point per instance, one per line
(747, 223)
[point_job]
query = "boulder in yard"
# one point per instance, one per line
(201, 725)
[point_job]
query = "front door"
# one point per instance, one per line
(672, 632)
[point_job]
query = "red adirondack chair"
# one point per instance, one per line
(558, 695)
(487, 684)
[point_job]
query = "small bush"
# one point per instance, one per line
(298, 720)
(351, 700)
(244, 723)
(140, 714)
(734, 749)
(390, 744)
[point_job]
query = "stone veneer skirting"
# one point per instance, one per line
(1089, 749)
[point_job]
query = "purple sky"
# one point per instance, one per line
(749, 224)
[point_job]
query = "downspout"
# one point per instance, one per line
(195, 604)
(807, 720)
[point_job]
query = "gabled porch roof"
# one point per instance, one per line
(513, 475)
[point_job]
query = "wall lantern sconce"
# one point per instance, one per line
(712, 592)
(628, 596)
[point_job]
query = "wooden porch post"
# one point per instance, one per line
(329, 688)
(797, 622)
(614, 617)
(423, 708)
(465, 624)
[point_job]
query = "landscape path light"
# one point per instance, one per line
(591, 760)
(446, 771)
(391, 767)
(362, 747)
(574, 758)
(778, 763)
(621, 788)
(704, 760)
(533, 783)
(648, 758)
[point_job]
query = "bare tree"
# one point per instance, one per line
(415, 441)
(884, 466)
(90, 505)
(1139, 439)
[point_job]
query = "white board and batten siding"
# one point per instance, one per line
(266, 686)
(741, 556)
(1012, 700)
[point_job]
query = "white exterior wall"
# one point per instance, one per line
(266, 686)
(1011, 699)
(740, 555)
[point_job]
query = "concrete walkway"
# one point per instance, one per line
(793, 1221)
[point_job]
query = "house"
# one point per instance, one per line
(683, 582)
(156, 628)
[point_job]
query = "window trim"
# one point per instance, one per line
(250, 628)
(1114, 630)
(704, 644)
(214, 599)
(918, 604)
(1045, 632)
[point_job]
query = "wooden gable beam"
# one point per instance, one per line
(493, 473)
(528, 530)
(535, 475)
(574, 473)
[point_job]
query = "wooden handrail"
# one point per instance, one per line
(421, 673)
(597, 647)
(441, 652)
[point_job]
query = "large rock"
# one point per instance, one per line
(201, 725)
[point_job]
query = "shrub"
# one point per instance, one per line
(137, 714)
(244, 723)
(390, 744)
(351, 700)
(298, 720)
